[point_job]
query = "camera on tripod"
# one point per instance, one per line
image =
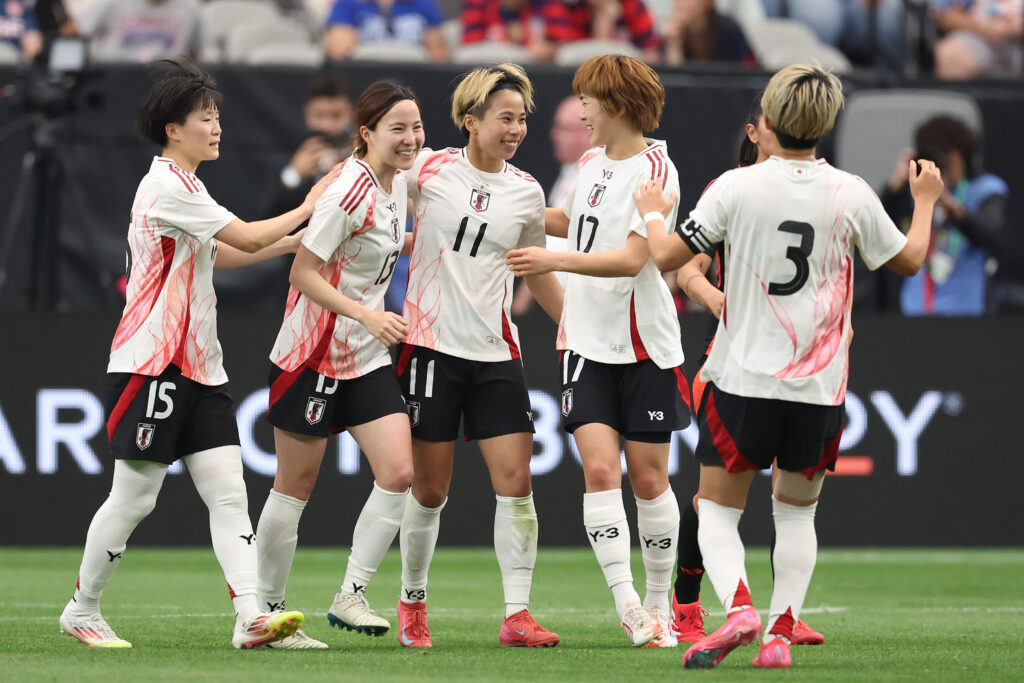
(50, 91)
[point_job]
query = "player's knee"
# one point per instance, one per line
(794, 488)
(648, 485)
(135, 507)
(397, 479)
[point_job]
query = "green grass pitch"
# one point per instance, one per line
(887, 614)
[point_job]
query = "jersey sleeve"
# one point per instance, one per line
(534, 234)
(707, 223)
(876, 236)
(329, 226)
(193, 213)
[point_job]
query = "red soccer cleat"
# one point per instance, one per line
(520, 630)
(773, 655)
(412, 625)
(688, 620)
(805, 635)
(741, 628)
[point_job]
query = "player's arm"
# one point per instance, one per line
(548, 292)
(926, 187)
(251, 237)
(229, 257)
(305, 276)
(692, 279)
(556, 223)
(625, 262)
(668, 252)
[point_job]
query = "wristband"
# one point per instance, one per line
(653, 215)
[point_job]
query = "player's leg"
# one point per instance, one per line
(687, 612)
(132, 497)
(387, 444)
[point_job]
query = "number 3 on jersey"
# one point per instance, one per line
(798, 255)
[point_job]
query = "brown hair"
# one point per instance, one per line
(375, 102)
(622, 83)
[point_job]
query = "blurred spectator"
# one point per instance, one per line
(847, 24)
(141, 30)
(416, 22)
(18, 27)
(610, 20)
(746, 12)
(969, 223)
(697, 32)
(982, 37)
(525, 22)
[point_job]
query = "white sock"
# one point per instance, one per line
(720, 545)
(796, 550)
(418, 538)
(217, 475)
(657, 522)
(605, 520)
(277, 534)
(515, 544)
(133, 494)
(376, 528)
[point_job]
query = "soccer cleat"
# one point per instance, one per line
(741, 627)
(266, 628)
(298, 641)
(91, 629)
(773, 655)
(351, 611)
(688, 620)
(520, 630)
(668, 633)
(805, 635)
(639, 625)
(412, 625)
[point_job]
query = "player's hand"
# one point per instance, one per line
(531, 261)
(293, 241)
(926, 184)
(317, 190)
(306, 159)
(386, 326)
(651, 197)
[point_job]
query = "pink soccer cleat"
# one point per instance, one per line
(805, 635)
(688, 620)
(741, 628)
(412, 625)
(773, 655)
(520, 630)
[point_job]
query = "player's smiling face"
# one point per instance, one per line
(397, 138)
(502, 129)
(196, 140)
(599, 123)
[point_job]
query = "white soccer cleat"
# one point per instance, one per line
(668, 637)
(91, 629)
(298, 641)
(351, 611)
(266, 628)
(639, 625)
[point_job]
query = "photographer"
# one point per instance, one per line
(969, 223)
(18, 27)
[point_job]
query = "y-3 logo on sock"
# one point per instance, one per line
(248, 539)
(275, 606)
(416, 594)
(114, 556)
(356, 588)
(663, 543)
(610, 532)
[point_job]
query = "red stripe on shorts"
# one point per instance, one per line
(123, 401)
(634, 333)
(683, 386)
(403, 359)
(828, 457)
(724, 443)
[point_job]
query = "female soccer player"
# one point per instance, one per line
(776, 375)
(688, 615)
(619, 338)
(167, 389)
(331, 369)
(461, 359)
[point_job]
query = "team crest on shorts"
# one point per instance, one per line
(315, 410)
(567, 402)
(414, 412)
(596, 194)
(479, 200)
(144, 435)
(394, 229)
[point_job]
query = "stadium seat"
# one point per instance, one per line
(451, 30)
(877, 124)
(218, 17)
(778, 43)
(285, 54)
(9, 54)
(491, 53)
(389, 51)
(240, 39)
(577, 52)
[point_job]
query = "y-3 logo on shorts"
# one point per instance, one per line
(656, 414)
(315, 410)
(144, 435)
(567, 402)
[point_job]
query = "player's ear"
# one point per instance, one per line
(470, 124)
(173, 131)
(751, 132)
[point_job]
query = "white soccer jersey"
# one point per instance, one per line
(621, 319)
(358, 230)
(171, 310)
(466, 221)
(789, 229)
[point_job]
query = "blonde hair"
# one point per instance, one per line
(472, 94)
(801, 103)
(622, 83)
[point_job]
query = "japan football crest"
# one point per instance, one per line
(414, 412)
(479, 200)
(394, 229)
(596, 193)
(315, 410)
(144, 435)
(567, 402)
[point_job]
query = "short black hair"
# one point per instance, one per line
(748, 150)
(328, 83)
(938, 135)
(182, 89)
